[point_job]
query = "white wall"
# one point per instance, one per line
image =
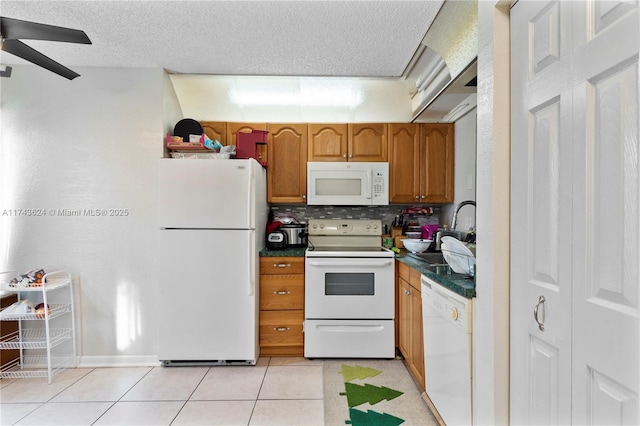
(465, 173)
(90, 143)
(292, 99)
(491, 305)
(172, 112)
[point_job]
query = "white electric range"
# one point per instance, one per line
(349, 291)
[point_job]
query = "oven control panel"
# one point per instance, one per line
(345, 227)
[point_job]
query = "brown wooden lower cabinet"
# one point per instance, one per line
(281, 306)
(281, 333)
(410, 339)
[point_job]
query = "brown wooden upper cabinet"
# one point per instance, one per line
(421, 156)
(404, 163)
(421, 163)
(287, 171)
(368, 142)
(327, 142)
(225, 132)
(348, 142)
(215, 130)
(233, 128)
(437, 174)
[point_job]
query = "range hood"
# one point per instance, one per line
(441, 77)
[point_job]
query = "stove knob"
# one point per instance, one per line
(368, 226)
(315, 226)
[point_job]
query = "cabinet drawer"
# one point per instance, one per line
(414, 279)
(280, 292)
(281, 328)
(410, 275)
(281, 265)
(404, 271)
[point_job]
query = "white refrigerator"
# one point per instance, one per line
(212, 216)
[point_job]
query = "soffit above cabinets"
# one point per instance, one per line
(439, 73)
(455, 99)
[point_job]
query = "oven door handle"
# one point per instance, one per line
(350, 264)
(350, 328)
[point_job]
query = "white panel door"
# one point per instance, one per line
(541, 213)
(606, 212)
(575, 213)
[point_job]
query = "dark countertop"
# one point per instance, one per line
(455, 282)
(288, 252)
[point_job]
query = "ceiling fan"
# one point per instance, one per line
(11, 30)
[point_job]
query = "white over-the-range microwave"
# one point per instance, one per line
(348, 183)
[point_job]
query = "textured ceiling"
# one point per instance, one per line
(299, 38)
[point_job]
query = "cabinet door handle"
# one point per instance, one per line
(282, 292)
(417, 197)
(282, 265)
(304, 197)
(407, 292)
(344, 155)
(281, 329)
(423, 196)
(541, 301)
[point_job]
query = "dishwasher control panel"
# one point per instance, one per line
(449, 305)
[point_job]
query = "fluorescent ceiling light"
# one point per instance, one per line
(297, 91)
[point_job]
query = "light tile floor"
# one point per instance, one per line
(277, 391)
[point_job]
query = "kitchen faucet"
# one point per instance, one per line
(455, 213)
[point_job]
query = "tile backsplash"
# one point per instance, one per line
(386, 214)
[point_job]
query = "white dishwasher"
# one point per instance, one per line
(447, 351)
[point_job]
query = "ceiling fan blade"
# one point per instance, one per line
(13, 29)
(18, 48)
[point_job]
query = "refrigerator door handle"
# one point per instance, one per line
(252, 196)
(252, 264)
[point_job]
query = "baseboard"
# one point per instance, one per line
(433, 409)
(118, 361)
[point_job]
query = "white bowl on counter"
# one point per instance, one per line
(416, 245)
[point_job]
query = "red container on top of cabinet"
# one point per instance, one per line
(252, 145)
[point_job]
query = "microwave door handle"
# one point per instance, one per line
(368, 193)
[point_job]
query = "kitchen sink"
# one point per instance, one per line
(430, 258)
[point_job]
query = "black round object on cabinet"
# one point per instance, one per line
(186, 127)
